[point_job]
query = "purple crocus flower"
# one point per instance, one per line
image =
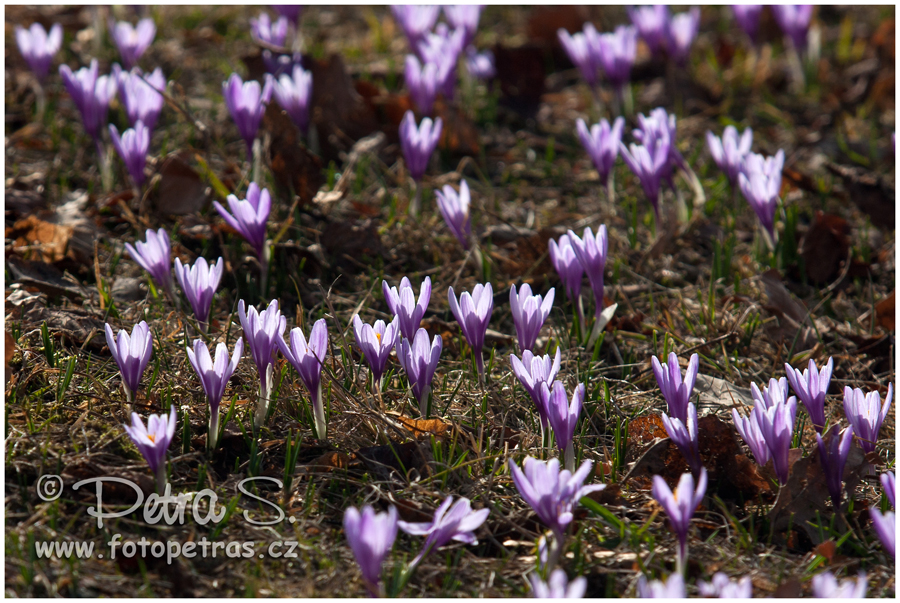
(661, 128)
(199, 283)
(793, 19)
(866, 413)
(292, 11)
(557, 586)
(247, 104)
(262, 330)
(676, 392)
(680, 34)
(214, 377)
(38, 47)
(760, 183)
(132, 41)
(591, 252)
(376, 343)
(307, 360)
(455, 209)
(370, 536)
(529, 313)
(552, 492)
(294, 93)
(464, 17)
(443, 48)
(567, 265)
(580, 47)
(886, 529)
(749, 429)
(722, 587)
(811, 387)
(616, 53)
(273, 33)
(141, 95)
(563, 416)
(651, 165)
(887, 482)
(415, 21)
(473, 313)
(419, 360)
(131, 353)
(533, 372)
(91, 93)
(418, 142)
(825, 586)
(680, 507)
(729, 151)
(833, 455)
(684, 434)
(153, 441)
(747, 17)
(248, 216)
(672, 588)
(403, 304)
(458, 522)
(132, 147)
(652, 23)
(480, 64)
(776, 392)
(776, 424)
(602, 144)
(153, 256)
(422, 82)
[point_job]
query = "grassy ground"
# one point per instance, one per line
(707, 285)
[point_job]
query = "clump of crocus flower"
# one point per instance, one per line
(568, 266)
(153, 441)
(866, 414)
(591, 251)
(473, 313)
(247, 103)
(307, 358)
(443, 48)
(770, 427)
(616, 53)
(680, 33)
(685, 436)
(416, 21)
(419, 360)
(760, 183)
(132, 146)
(131, 353)
(602, 145)
(650, 163)
(153, 256)
(747, 18)
(532, 372)
(729, 151)
(676, 391)
(91, 93)
(794, 19)
(833, 451)
(826, 586)
(417, 144)
(248, 217)
(455, 209)
(457, 522)
(262, 330)
(132, 41)
(680, 507)
(672, 588)
(811, 386)
(464, 17)
(580, 48)
(562, 415)
(529, 313)
(722, 587)
(214, 377)
(403, 304)
(552, 494)
(141, 94)
(376, 342)
(652, 24)
(557, 586)
(370, 536)
(199, 283)
(273, 33)
(293, 91)
(422, 82)
(38, 46)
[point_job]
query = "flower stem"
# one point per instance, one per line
(161, 479)
(213, 437)
(319, 412)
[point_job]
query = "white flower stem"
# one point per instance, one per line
(570, 456)
(213, 437)
(161, 479)
(319, 414)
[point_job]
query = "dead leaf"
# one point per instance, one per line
(790, 589)
(326, 463)
(825, 246)
(386, 462)
(717, 393)
(181, 190)
(424, 427)
(10, 350)
(872, 194)
(459, 135)
(791, 313)
(78, 326)
(827, 549)
(884, 313)
(50, 240)
(20, 203)
(545, 21)
(42, 276)
(352, 244)
(645, 429)
(293, 166)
